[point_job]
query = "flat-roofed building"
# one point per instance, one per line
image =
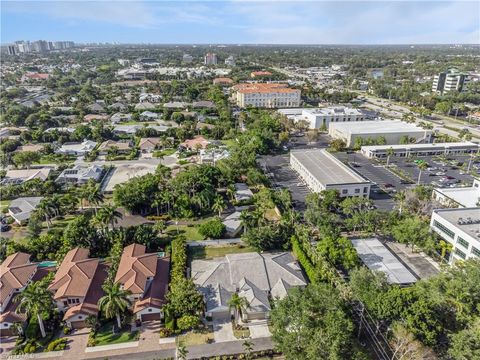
(377, 257)
(460, 196)
(271, 95)
(454, 148)
(390, 131)
(461, 228)
(322, 117)
(450, 80)
(320, 170)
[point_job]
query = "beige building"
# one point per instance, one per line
(266, 95)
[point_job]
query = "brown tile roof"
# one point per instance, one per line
(197, 140)
(15, 272)
(135, 267)
(9, 315)
(94, 293)
(263, 88)
(75, 274)
(260, 73)
(222, 80)
(148, 142)
(155, 295)
(109, 144)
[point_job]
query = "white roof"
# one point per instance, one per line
(450, 145)
(333, 111)
(86, 145)
(21, 208)
(382, 126)
(232, 222)
(17, 176)
(378, 258)
(465, 196)
(327, 169)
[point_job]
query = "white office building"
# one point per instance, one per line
(320, 171)
(322, 117)
(450, 80)
(466, 197)
(461, 228)
(210, 59)
(391, 131)
(416, 150)
(271, 95)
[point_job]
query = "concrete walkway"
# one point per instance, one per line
(219, 242)
(125, 345)
(222, 331)
(259, 331)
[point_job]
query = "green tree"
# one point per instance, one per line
(338, 145)
(239, 305)
(183, 298)
(114, 302)
(108, 215)
(312, 323)
(26, 158)
(218, 205)
(213, 228)
(35, 300)
(412, 231)
(465, 345)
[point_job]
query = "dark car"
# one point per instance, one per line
(4, 227)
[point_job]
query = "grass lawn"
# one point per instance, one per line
(196, 337)
(242, 333)
(202, 252)
(166, 152)
(4, 204)
(229, 142)
(190, 232)
(105, 337)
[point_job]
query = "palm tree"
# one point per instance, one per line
(231, 191)
(239, 305)
(400, 197)
(218, 205)
(390, 152)
(47, 208)
(93, 194)
(33, 301)
(114, 302)
(156, 203)
(422, 167)
(108, 215)
(247, 347)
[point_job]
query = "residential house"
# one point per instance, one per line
(145, 106)
(21, 176)
(147, 97)
(92, 117)
(242, 192)
(222, 81)
(176, 105)
(21, 209)
(233, 224)
(145, 275)
(16, 272)
(198, 142)
(119, 117)
(122, 147)
(255, 277)
(80, 174)
(77, 287)
(96, 108)
(148, 145)
(203, 105)
(126, 129)
(148, 115)
(118, 106)
(77, 149)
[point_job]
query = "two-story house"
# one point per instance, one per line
(16, 272)
(145, 275)
(77, 286)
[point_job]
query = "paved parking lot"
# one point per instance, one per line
(278, 169)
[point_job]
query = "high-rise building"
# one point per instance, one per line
(450, 80)
(211, 59)
(230, 61)
(12, 50)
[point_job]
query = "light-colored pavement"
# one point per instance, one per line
(7, 344)
(420, 263)
(108, 348)
(259, 331)
(218, 242)
(222, 331)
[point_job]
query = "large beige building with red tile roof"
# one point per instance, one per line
(77, 286)
(266, 95)
(145, 275)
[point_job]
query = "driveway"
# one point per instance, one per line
(259, 331)
(222, 331)
(7, 344)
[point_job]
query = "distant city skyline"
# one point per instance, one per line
(243, 22)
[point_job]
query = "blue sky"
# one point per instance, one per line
(272, 22)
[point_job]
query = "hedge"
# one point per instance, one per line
(303, 260)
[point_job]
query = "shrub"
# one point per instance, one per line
(164, 332)
(212, 229)
(67, 330)
(33, 330)
(58, 344)
(303, 259)
(91, 341)
(30, 348)
(187, 322)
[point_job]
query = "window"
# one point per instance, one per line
(463, 242)
(365, 190)
(475, 251)
(444, 229)
(357, 191)
(460, 253)
(344, 191)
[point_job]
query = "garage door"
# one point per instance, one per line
(78, 324)
(149, 317)
(7, 332)
(221, 315)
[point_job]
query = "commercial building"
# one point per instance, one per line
(210, 59)
(253, 276)
(416, 150)
(187, 58)
(461, 228)
(320, 170)
(322, 117)
(377, 257)
(450, 80)
(388, 131)
(465, 197)
(230, 61)
(271, 95)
